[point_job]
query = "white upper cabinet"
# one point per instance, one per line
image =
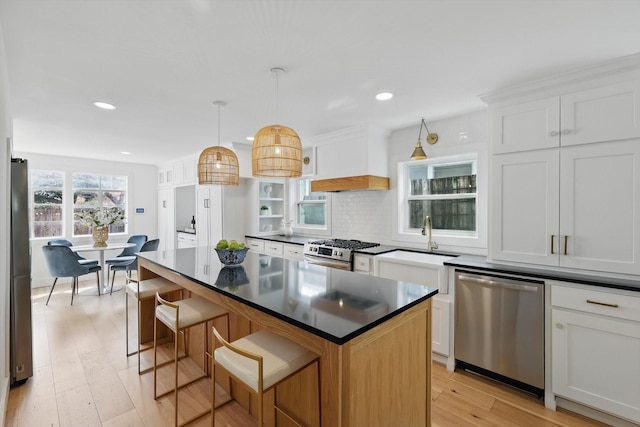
(525, 207)
(576, 207)
(180, 172)
(605, 113)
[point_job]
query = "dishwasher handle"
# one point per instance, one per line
(498, 284)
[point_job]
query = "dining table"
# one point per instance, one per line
(101, 250)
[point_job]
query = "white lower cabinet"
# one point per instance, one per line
(293, 251)
(273, 248)
(187, 240)
(392, 266)
(363, 264)
(595, 335)
(255, 245)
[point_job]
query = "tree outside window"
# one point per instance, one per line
(91, 191)
(47, 188)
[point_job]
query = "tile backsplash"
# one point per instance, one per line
(362, 215)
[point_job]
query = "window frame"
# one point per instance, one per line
(32, 204)
(403, 230)
(100, 198)
(297, 201)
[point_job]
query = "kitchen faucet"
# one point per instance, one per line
(431, 245)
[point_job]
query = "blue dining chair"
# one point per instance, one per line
(67, 243)
(128, 253)
(129, 266)
(62, 262)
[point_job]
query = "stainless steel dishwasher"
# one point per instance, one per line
(499, 328)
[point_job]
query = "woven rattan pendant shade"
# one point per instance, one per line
(218, 165)
(277, 152)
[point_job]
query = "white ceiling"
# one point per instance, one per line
(163, 63)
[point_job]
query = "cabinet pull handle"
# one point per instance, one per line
(553, 133)
(565, 244)
(602, 303)
(566, 131)
(552, 251)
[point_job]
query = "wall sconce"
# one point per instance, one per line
(432, 138)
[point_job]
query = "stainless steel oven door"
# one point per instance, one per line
(328, 262)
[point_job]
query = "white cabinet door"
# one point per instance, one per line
(525, 207)
(526, 126)
(605, 113)
(209, 215)
(596, 361)
(273, 248)
(291, 251)
(363, 264)
(166, 219)
(600, 207)
(441, 309)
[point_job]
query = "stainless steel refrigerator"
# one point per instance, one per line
(20, 280)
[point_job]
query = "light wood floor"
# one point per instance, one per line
(83, 378)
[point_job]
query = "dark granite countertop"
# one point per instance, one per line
(336, 305)
(481, 263)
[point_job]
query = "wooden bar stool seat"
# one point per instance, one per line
(261, 361)
(179, 316)
(142, 291)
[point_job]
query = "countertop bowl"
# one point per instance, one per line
(232, 256)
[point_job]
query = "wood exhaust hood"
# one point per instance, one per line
(351, 183)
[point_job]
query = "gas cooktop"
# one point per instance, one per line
(344, 244)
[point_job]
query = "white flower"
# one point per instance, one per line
(101, 217)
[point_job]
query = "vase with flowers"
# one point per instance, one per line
(99, 219)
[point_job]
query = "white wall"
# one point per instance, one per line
(372, 215)
(5, 132)
(143, 193)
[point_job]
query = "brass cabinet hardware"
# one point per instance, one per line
(602, 303)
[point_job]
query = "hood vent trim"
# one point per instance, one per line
(351, 183)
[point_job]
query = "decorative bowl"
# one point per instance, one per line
(232, 256)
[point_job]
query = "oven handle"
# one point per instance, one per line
(342, 265)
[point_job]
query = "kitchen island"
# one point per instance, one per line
(373, 335)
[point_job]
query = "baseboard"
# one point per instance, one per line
(603, 417)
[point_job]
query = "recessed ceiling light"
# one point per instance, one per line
(384, 96)
(104, 105)
(125, 152)
(249, 138)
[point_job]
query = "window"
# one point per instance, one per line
(47, 190)
(446, 191)
(311, 208)
(91, 191)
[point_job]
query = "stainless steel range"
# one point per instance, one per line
(336, 253)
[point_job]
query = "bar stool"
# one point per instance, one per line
(179, 316)
(261, 361)
(142, 291)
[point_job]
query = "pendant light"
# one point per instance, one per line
(217, 164)
(276, 150)
(432, 138)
